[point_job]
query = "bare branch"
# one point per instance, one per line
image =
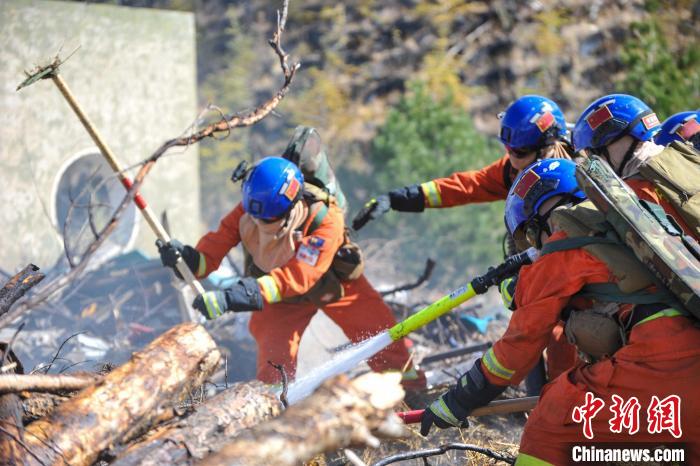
(12, 383)
(237, 120)
(425, 276)
(441, 450)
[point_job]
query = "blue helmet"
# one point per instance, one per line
(532, 122)
(537, 183)
(271, 188)
(611, 117)
(679, 127)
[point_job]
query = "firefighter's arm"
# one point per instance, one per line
(214, 246)
(313, 258)
(543, 290)
(485, 185)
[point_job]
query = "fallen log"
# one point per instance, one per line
(125, 403)
(52, 383)
(18, 285)
(340, 413)
(10, 404)
(36, 405)
(212, 425)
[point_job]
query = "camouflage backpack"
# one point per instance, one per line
(675, 173)
(306, 150)
(634, 238)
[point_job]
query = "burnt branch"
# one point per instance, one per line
(285, 383)
(441, 450)
(425, 276)
(18, 286)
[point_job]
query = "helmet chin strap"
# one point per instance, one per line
(628, 156)
(603, 151)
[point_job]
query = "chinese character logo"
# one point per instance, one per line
(625, 415)
(587, 412)
(665, 415)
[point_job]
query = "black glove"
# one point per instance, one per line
(374, 209)
(453, 407)
(408, 199)
(241, 297)
(171, 251)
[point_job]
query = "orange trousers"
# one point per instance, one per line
(662, 358)
(361, 313)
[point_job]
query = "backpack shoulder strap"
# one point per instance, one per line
(319, 210)
(574, 243)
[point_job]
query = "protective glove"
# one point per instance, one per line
(407, 199)
(372, 210)
(507, 289)
(171, 251)
(241, 297)
(452, 408)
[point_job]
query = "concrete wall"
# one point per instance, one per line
(134, 74)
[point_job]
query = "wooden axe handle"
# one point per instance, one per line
(513, 405)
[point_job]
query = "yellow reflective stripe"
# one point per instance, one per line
(268, 285)
(664, 313)
(444, 413)
(201, 270)
(527, 460)
(431, 193)
(212, 304)
(496, 368)
(505, 294)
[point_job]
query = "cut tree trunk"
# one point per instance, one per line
(212, 425)
(340, 413)
(53, 383)
(125, 403)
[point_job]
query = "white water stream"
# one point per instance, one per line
(339, 364)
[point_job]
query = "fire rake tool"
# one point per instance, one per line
(51, 72)
(513, 405)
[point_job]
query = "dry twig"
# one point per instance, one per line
(441, 450)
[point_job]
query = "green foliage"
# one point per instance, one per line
(229, 90)
(667, 78)
(426, 138)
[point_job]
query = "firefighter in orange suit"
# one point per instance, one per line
(295, 246)
(659, 359)
(532, 127)
(621, 128)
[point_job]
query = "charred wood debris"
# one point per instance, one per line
(85, 397)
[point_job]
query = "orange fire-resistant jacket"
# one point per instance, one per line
(314, 254)
(544, 289)
(488, 184)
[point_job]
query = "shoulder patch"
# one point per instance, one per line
(308, 254)
(316, 242)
